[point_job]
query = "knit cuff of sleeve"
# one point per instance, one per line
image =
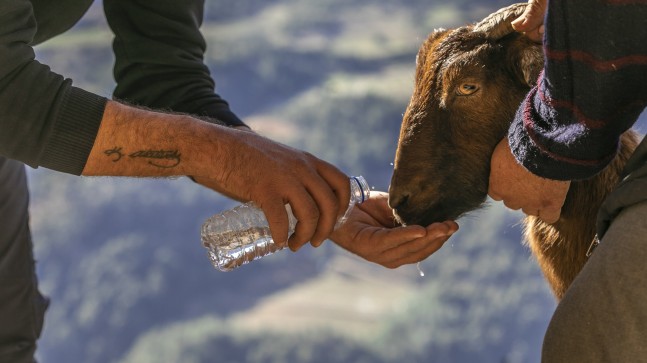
(542, 160)
(74, 132)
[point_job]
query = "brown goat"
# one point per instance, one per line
(469, 83)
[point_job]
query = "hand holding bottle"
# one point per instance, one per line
(242, 234)
(272, 175)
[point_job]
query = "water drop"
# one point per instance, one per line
(422, 274)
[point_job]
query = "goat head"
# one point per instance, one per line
(469, 83)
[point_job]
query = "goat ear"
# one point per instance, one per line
(527, 60)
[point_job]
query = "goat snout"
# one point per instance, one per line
(405, 206)
(398, 199)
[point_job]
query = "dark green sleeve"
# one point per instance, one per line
(159, 54)
(44, 121)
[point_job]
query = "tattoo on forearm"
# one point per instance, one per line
(115, 152)
(158, 158)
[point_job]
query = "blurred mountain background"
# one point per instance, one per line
(122, 261)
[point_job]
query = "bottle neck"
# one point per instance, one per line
(359, 190)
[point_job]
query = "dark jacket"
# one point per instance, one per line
(45, 121)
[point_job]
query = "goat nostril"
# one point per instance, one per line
(398, 200)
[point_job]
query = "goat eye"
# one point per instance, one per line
(466, 89)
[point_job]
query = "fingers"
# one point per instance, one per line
(327, 199)
(326, 213)
(416, 250)
(430, 248)
(277, 219)
(393, 238)
(532, 20)
(532, 17)
(307, 213)
(338, 181)
(386, 244)
(536, 34)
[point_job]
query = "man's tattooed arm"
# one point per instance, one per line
(139, 142)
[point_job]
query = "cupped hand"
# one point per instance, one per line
(531, 22)
(372, 233)
(518, 188)
(251, 167)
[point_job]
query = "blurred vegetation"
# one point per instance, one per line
(122, 259)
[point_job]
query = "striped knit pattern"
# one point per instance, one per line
(593, 88)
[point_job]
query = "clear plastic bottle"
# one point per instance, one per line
(240, 235)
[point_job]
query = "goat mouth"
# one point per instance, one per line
(438, 212)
